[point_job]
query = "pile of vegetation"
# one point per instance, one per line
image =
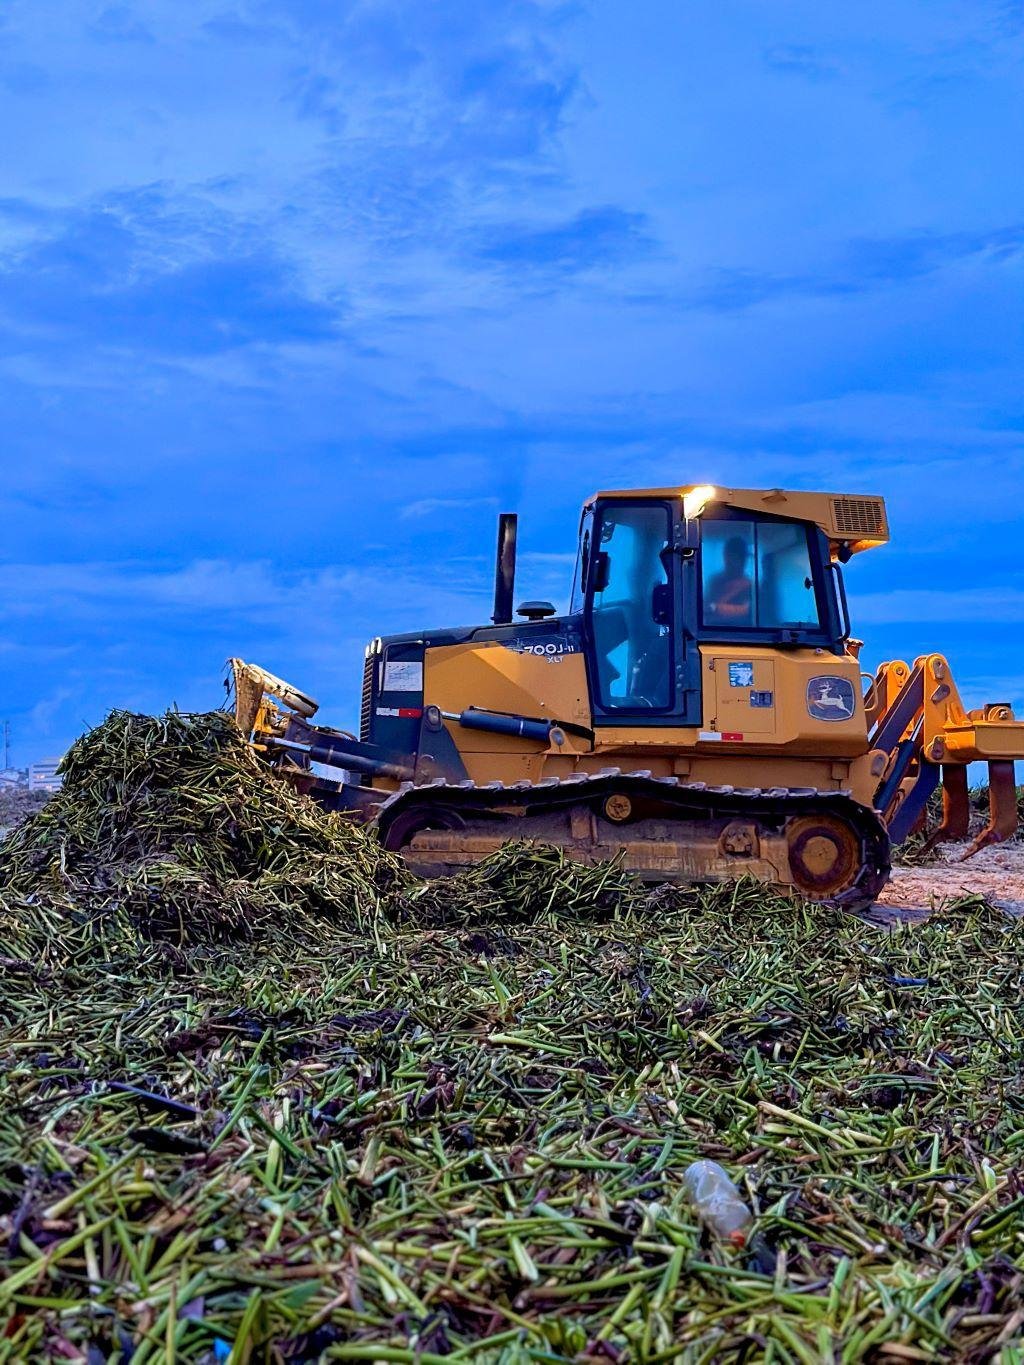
(169, 829)
(449, 1121)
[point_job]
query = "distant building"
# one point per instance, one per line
(43, 776)
(13, 777)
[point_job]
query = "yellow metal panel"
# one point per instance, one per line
(490, 675)
(954, 735)
(788, 724)
(982, 741)
(735, 687)
(495, 677)
(884, 689)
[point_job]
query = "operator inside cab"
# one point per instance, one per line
(728, 595)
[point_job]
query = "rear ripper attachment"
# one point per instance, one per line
(920, 735)
(823, 845)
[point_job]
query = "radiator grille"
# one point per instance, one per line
(366, 707)
(859, 516)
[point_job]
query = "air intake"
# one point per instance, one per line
(366, 707)
(859, 516)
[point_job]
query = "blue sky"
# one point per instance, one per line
(296, 295)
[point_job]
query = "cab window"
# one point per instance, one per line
(757, 575)
(579, 578)
(632, 608)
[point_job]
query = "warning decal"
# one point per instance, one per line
(403, 676)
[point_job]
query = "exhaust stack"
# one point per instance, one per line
(505, 569)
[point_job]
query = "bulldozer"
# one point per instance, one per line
(698, 713)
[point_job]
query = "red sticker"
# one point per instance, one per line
(731, 734)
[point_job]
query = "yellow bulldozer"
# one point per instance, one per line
(699, 712)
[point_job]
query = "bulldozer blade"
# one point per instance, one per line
(251, 684)
(248, 695)
(1002, 799)
(956, 808)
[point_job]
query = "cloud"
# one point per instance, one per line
(118, 24)
(798, 59)
(433, 102)
(902, 258)
(45, 711)
(976, 689)
(138, 270)
(863, 266)
(1009, 19)
(548, 559)
(971, 606)
(444, 507)
(592, 238)
(210, 594)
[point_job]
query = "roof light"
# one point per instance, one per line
(697, 499)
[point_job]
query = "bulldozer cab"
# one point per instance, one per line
(658, 575)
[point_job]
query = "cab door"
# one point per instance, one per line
(641, 616)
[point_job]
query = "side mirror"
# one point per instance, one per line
(602, 570)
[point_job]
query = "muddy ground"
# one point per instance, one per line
(997, 873)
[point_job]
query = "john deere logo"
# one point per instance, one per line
(831, 698)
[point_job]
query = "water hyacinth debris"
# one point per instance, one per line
(168, 828)
(263, 1093)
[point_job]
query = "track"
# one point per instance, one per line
(822, 845)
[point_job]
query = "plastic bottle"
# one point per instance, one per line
(717, 1201)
